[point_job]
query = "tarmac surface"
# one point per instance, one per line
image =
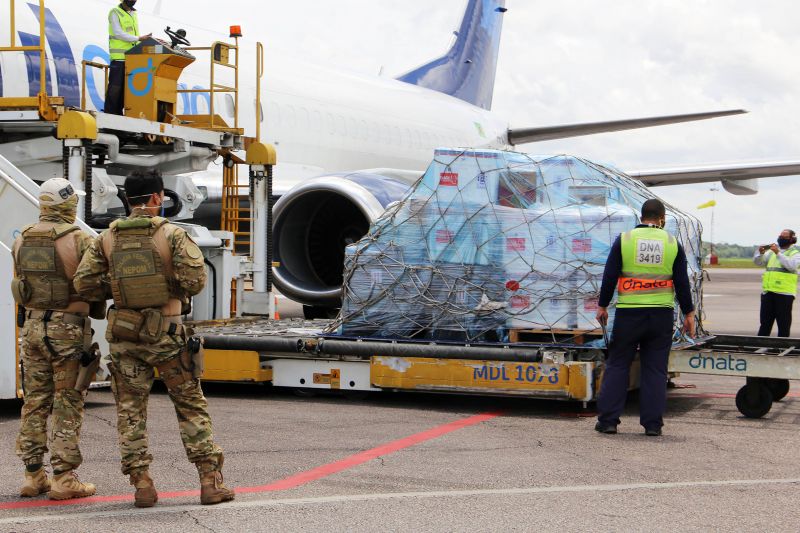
(424, 462)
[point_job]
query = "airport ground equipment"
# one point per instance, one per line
(298, 354)
(41, 138)
(767, 363)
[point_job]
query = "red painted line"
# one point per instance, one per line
(360, 458)
(290, 482)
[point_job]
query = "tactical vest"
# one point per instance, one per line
(130, 25)
(42, 281)
(140, 268)
(778, 279)
(647, 258)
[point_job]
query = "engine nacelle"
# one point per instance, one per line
(315, 221)
(741, 187)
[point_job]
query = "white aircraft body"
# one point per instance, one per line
(348, 144)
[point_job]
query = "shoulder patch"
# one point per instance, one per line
(192, 250)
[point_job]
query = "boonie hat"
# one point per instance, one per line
(56, 191)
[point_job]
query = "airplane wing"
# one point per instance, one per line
(741, 178)
(527, 135)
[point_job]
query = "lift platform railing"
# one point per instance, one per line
(234, 216)
(259, 75)
(101, 66)
(237, 214)
(219, 57)
(46, 105)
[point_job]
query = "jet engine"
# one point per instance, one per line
(316, 220)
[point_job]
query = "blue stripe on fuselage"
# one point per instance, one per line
(66, 72)
(32, 63)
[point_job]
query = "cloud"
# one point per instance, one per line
(583, 60)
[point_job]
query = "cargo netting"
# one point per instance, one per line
(490, 242)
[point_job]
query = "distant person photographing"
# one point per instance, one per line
(123, 34)
(647, 266)
(779, 283)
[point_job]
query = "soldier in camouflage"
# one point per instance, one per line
(151, 268)
(55, 336)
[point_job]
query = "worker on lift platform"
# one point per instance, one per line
(123, 34)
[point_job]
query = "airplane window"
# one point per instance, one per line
(290, 116)
(230, 109)
(316, 123)
(304, 118)
(274, 114)
(331, 124)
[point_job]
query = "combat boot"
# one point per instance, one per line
(146, 495)
(35, 483)
(66, 486)
(212, 489)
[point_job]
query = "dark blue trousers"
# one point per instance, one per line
(776, 307)
(650, 330)
(115, 92)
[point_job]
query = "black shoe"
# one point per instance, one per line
(653, 432)
(608, 429)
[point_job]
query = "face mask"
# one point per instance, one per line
(784, 242)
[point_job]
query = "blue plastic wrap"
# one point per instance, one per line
(489, 241)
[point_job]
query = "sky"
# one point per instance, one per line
(592, 60)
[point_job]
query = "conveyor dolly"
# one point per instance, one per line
(767, 363)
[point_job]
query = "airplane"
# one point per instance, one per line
(348, 144)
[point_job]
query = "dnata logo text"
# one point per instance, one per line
(719, 362)
(633, 284)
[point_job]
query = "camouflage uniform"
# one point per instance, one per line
(133, 362)
(42, 368)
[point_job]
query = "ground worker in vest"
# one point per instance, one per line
(647, 266)
(58, 359)
(151, 268)
(779, 283)
(123, 34)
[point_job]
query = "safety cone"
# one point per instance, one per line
(277, 314)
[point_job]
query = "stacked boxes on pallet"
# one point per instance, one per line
(489, 241)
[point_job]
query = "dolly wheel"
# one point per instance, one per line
(778, 387)
(754, 400)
